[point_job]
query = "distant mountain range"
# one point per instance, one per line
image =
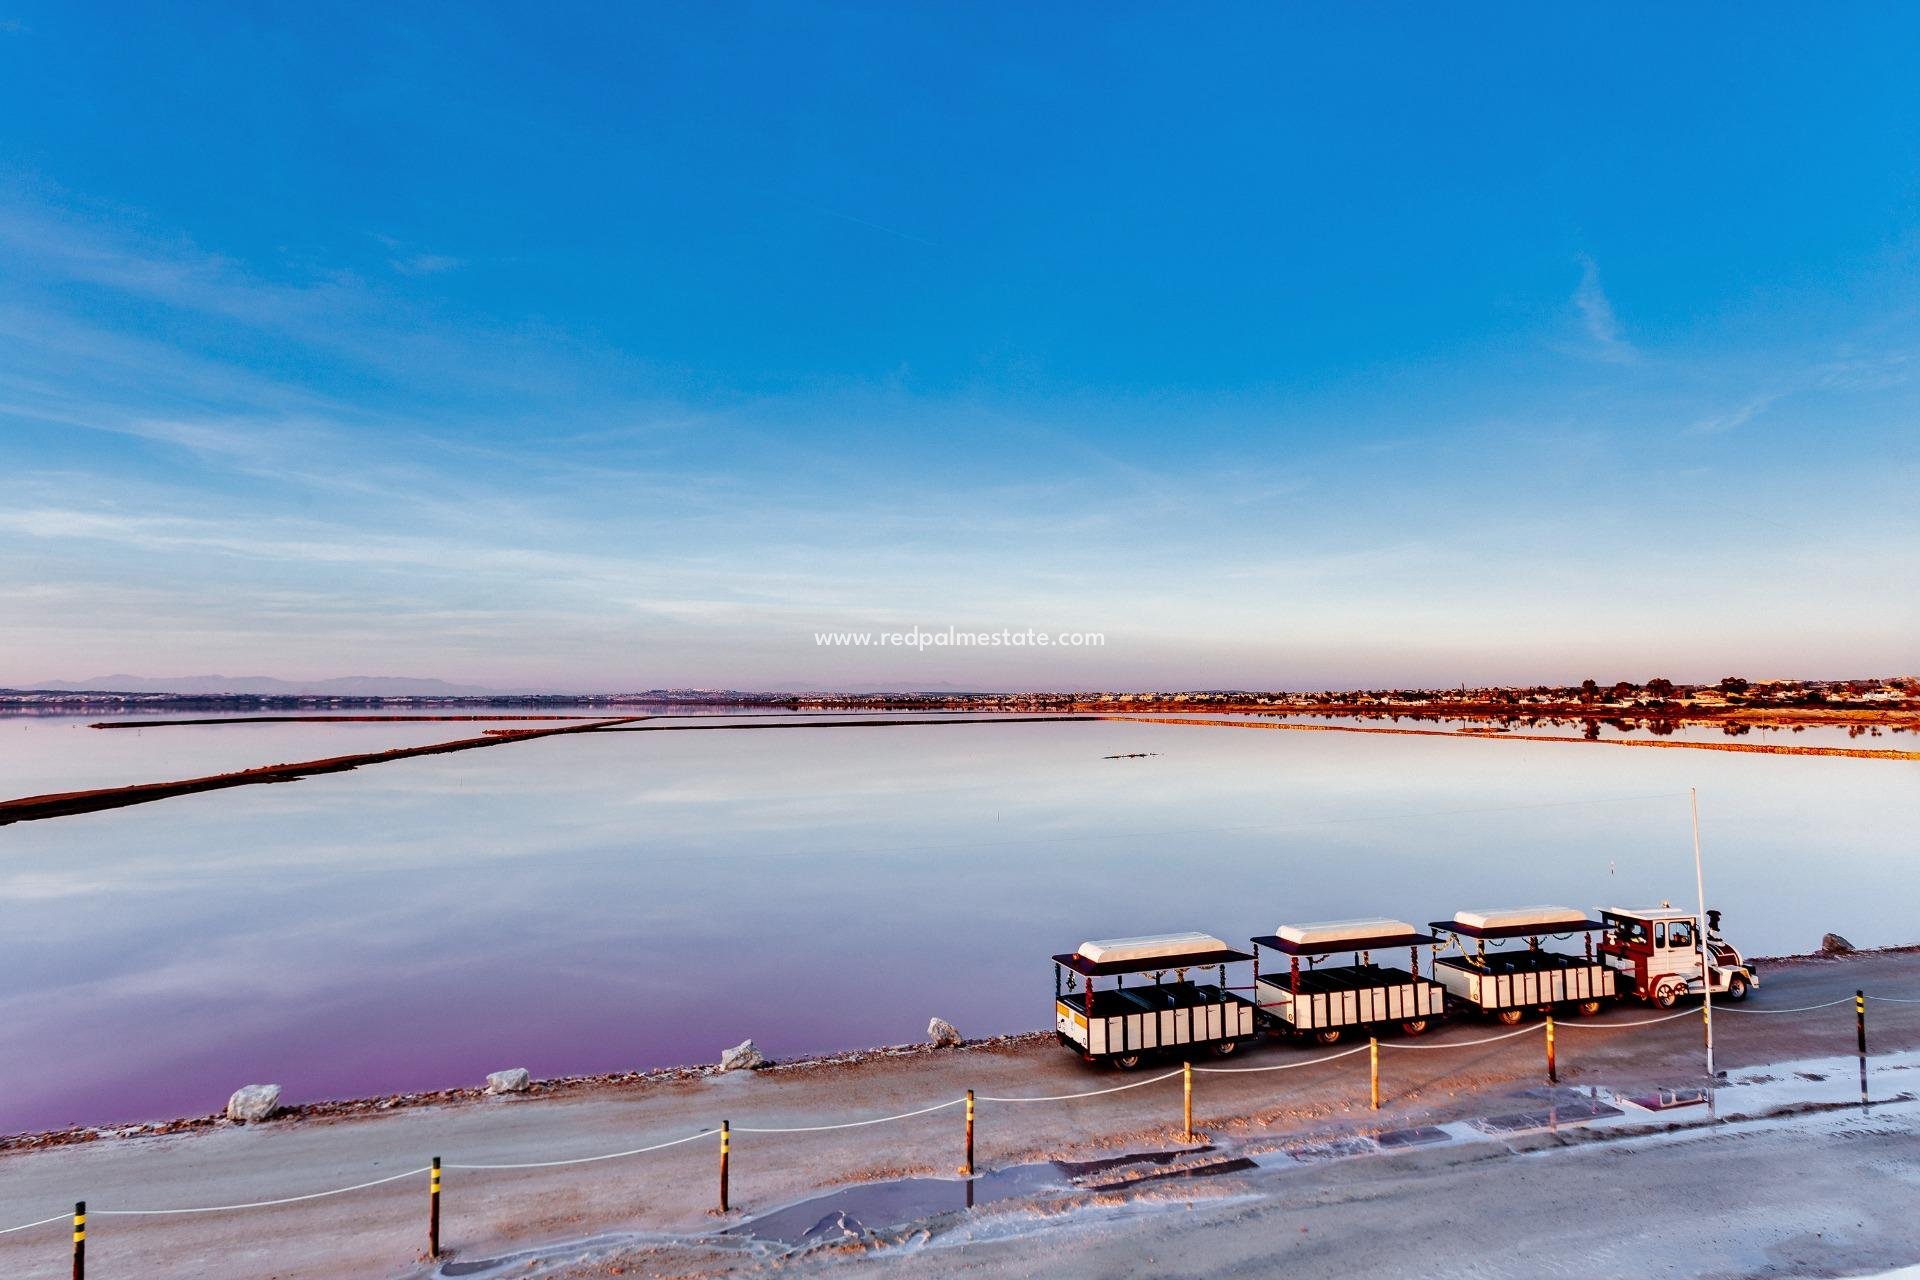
(269, 686)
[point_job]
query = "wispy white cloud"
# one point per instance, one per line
(426, 264)
(1852, 370)
(410, 260)
(376, 325)
(64, 245)
(1733, 419)
(1597, 317)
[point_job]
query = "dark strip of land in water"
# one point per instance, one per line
(338, 719)
(816, 722)
(68, 803)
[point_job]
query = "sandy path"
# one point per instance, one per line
(380, 1232)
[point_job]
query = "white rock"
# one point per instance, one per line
(943, 1033)
(514, 1080)
(743, 1057)
(253, 1102)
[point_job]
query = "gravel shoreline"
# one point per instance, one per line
(555, 1087)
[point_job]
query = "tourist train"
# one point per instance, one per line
(1655, 955)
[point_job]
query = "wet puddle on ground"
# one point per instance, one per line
(1419, 1136)
(857, 1212)
(1212, 1169)
(1330, 1148)
(1090, 1168)
(1541, 1110)
(1563, 1106)
(863, 1212)
(1552, 1118)
(1668, 1099)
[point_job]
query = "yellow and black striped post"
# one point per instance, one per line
(1860, 1031)
(79, 1240)
(966, 1170)
(433, 1210)
(1373, 1067)
(1186, 1084)
(1553, 1067)
(726, 1146)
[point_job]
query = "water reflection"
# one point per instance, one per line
(582, 904)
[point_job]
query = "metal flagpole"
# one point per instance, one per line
(1700, 927)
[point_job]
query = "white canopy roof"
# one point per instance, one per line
(1514, 917)
(1151, 947)
(1652, 913)
(1331, 931)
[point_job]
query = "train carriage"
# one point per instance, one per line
(1122, 1025)
(1327, 1002)
(1506, 983)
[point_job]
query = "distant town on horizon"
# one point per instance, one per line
(1657, 696)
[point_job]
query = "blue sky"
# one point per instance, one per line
(550, 347)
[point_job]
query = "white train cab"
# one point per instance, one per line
(1656, 951)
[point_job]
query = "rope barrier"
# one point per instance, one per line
(1284, 1066)
(1729, 1008)
(1889, 999)
(612, 1155)
(1091, 1093)
(58, 1217)
(854, 1124)
(257, 1204)
(1610, 1026)
(1467, 1044)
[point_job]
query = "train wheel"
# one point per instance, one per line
(1737, 987)
(1328, 1035)
(1587, 1008)
(1225, 1048)
(1126, 1061)
(1666, 995)
(1414, 1027)
(1510, 1017)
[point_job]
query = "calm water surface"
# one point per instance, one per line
(626, 900)
(40, 755)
